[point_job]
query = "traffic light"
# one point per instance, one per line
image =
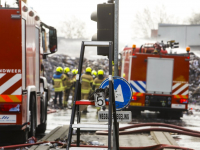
(105, 26)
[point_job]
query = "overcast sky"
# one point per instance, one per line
(53, 12)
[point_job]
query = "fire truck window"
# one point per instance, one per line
(44, 46)
(45, 40)
(9, 4)
(51, 32)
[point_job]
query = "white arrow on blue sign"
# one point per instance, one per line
(123, 91)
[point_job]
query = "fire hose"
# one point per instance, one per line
(154, 147)
(157, 124)
(26, 145)
(152, 129)
(184, 131)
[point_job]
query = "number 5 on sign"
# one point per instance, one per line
(99, 99)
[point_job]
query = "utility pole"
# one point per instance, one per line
(116, 30)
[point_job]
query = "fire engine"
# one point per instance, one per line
(159, 79)
(23, 88)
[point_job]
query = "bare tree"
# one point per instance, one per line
(195, 19)
(73, 28)
(146, 20)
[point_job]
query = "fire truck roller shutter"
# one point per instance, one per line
(159, 75)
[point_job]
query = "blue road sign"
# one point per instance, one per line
(123, 91)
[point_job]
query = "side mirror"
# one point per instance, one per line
(52, 40)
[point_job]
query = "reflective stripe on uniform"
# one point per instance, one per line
(97, 84)
(66, 82)
(85, 80)
(58, 86)
(85, 91)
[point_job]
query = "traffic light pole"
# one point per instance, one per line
(116, 30)
(116, 72)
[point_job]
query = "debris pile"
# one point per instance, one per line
(194, 80)
(63, 61)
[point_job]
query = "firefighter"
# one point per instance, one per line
(73, 81)
(94, 74)
(58, 79)
(67, 85)
(97, 82)
(86, 87)
(155, 51)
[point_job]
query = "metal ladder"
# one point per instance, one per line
(77, 102)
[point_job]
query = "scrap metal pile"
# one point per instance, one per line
(194, 80)
(62, 60)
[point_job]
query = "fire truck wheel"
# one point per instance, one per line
(170, 115)
(175, 114)
(136, 113)
(32, 115)
(42, 127)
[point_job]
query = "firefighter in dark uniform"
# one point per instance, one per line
(58, 79)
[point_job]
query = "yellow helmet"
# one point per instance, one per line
(88, 69)
(66, 70)
(94, 73)
(59, 69)
(124, 75)
(100, 72)
(74, 71)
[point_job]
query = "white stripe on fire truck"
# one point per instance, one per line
(175, 85)
(185, 93)
(180, 89)
(1, 75)
(137, 87)
(10, 82)
(17, 92)
(142, 84)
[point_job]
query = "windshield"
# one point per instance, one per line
(9, 4)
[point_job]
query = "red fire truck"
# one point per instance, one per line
(159, 80)
(23, 88)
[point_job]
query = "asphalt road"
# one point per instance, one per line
(191, 121)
